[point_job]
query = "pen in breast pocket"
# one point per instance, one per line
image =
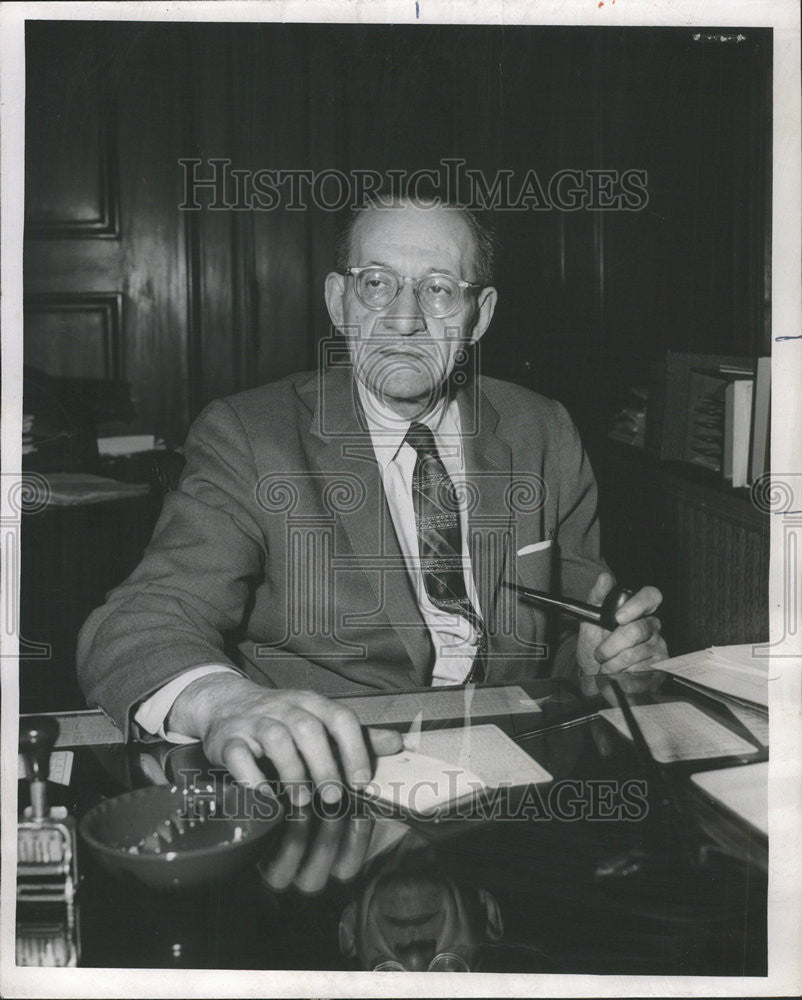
(603, 614)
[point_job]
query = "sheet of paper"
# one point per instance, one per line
(704, 669)
(486, 751)
(447, 765)
(440, 703)
(84, 729)
(742, 790)
(60, 767)
(677, 730)
(414, 781)
(740, 656)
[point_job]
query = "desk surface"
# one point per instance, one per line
(596, 872)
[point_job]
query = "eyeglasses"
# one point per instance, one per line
(437, 294)
(446, 961)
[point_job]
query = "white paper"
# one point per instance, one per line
(713, 672)
(447, 765)
(677, 730)
(743, 790)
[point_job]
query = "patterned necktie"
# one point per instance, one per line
(440, 539)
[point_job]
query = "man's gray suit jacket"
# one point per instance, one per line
(277, 553)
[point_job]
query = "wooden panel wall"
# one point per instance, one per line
(214, 301)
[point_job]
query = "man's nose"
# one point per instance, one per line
(405, 316)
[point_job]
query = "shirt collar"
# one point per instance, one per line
(388, 430)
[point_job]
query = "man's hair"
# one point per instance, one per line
(484, 238)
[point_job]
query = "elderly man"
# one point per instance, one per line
(349, 530)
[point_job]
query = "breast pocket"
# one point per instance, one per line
(533, 565)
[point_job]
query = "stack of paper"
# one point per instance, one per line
(729, 671)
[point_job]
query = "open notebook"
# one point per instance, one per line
(437, 769)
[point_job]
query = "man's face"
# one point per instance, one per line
(399, 352)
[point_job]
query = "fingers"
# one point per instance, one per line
(304, 736)
(344, 727)
(310, 854)
(282, 869)
(385, 741)
(645, 602)
(601, 588)
(279, 746)
(636, 645)
(318, 863)
(625, 637)
(354, 848)
(238, 757)
(312, 741)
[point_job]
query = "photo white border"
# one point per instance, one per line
(785, 785)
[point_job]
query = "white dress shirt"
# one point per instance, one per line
(453, 637)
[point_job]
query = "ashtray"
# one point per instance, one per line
(167, 837)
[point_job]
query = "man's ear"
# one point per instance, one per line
(348, 931)
(334, 291)
(494, 927)
(486, 306)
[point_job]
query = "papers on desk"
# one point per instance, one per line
(438, 704)
(677, 731)
(742, 790)
(441, 767)
(730, 671)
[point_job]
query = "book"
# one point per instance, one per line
(761, 414)
(737, 423)
(694, 393)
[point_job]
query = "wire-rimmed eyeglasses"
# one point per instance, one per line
(446, 961)
(437, 294)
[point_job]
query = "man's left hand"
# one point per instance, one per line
(635, 645)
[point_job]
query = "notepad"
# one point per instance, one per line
(439, 768)
(676, 731)
(742, 790)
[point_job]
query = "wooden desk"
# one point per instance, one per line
(71, 556)
(545, 868)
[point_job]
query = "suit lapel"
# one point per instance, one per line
(488, 466)
(342, 450)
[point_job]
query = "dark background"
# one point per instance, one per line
(185, 307)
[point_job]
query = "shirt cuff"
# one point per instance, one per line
(152, 712)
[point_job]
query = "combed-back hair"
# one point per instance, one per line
(387, 199)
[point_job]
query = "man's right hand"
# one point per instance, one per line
(240, 722)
